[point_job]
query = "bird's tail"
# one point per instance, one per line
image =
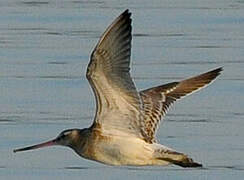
(185, 162)
(176, 158)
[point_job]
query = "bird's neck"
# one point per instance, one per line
(80, 143)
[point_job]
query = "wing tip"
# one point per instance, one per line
(126, 13)
(217, 70)
(213, 73)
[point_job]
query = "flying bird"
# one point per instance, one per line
(126, 120)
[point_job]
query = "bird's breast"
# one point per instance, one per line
(116, 150)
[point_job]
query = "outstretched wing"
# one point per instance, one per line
(157, 100)
(118, 102)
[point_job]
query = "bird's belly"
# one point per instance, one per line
(123, 151)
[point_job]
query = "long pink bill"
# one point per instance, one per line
(45, 144)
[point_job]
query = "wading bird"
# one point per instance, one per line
(125, 123)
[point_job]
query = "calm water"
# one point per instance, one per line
(44, 51)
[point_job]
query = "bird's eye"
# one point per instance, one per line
(61, 136)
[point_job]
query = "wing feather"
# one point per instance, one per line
(118, 102)
(157, 100)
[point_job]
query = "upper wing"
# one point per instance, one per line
(157, 100)
(118, 102)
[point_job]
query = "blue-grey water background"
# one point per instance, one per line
(44, 51)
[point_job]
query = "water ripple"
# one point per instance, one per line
(158, 35)
(192, 120)
(77, 167)
(5, 120)
(56, 62)
(35, 3)
(87, 2)
(237, 167)
(43, 77)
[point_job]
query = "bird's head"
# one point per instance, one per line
(65, 138)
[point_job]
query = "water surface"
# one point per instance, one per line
(44, 51)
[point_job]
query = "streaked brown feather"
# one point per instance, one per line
(157, 100)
